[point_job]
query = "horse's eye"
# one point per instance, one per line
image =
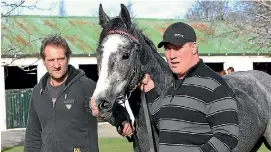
(126, 56)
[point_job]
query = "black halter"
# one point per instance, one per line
(122, 32)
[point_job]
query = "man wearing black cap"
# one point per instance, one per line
(199, 112)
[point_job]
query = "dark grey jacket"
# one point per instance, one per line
(68, 125)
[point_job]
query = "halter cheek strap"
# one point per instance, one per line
(124, 33)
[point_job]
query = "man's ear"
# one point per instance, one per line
(195, 48)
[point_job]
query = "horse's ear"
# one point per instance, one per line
(125, 15)
(103, 18)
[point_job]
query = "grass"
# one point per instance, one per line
(115, 145)
(110, 144)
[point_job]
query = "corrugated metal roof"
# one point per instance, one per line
(21, 35)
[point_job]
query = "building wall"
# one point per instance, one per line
(2, 99)
(240, 63)
(41, 70)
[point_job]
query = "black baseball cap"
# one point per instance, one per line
(178, 34)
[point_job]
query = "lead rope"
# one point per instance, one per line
(148, 121)
(134, 136)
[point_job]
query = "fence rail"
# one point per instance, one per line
(17, 104)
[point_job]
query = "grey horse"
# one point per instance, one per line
(125, 54)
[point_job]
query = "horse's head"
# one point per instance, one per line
(117, 58)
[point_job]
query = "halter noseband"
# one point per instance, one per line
(124, 33)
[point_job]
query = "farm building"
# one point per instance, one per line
(21, 67)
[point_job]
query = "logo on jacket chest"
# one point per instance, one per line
(76, 150)
(68, 103)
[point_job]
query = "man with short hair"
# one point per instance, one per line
(59, 116)
(198, 112)
(230, 70)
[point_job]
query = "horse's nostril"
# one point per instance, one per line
(103, 104)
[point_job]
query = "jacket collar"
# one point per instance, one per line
(192, 70)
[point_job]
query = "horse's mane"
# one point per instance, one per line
(149, 42)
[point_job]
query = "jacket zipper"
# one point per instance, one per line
(175, 89)
(55, 116)
(54, 124)
(187, 75)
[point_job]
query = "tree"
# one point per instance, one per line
(208, 10)
(10, 46)
(251, 19)
(254, 19)
(13, 7)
